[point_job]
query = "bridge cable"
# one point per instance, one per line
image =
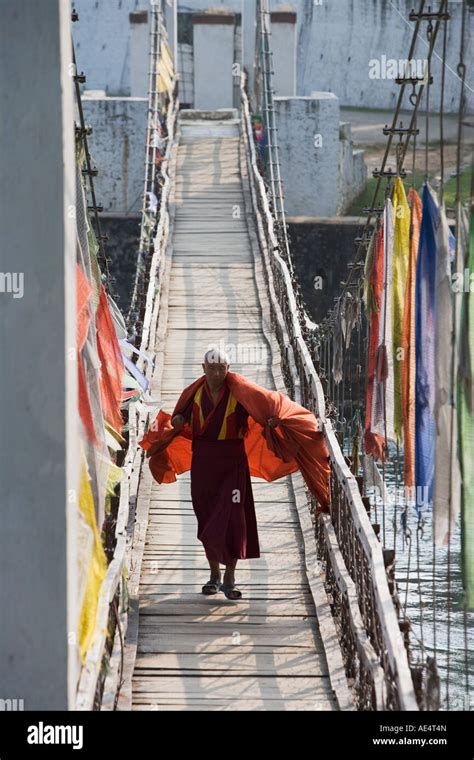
(461, 69)
(151, 181)
(415, 99)
(81, 134)
(268, 107)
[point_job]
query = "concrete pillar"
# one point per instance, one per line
(119, 128)
(249, 32)
(308, 139)
(214, 56)
(38, 377)
(171, 23)
(139, 53)
(283, 42)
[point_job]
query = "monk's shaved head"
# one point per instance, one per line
(216, 367)
(216, 356)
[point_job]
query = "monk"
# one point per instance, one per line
(224, 429)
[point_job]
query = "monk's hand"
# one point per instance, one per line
(149, 452)
(178, 422)
(272, 422)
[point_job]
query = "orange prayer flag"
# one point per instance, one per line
(112, 367)
(408, 368)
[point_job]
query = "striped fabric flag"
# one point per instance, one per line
(408, 344)
(425, 315)
(95, 568)
(466, 424)
(382, 398)
(447, 477)
(401, 256)
(374, 278)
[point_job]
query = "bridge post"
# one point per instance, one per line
(213, 40)
(38, 456)
(171, 23)
(308, 138)
(139, 53)
(283, 29)
(249, 32)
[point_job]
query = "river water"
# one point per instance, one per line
(433, 600)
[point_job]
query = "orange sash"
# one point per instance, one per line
(272, 453)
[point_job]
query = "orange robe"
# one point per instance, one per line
(221, 489)
(272, 453)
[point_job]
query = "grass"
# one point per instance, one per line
(364, 200)
(358, 109)
(450, 187)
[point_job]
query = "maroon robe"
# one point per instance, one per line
(221, 489)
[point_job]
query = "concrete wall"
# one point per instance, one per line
(333, 50)
(140, 28)
(283, 30)
(122, 251)
(322, 249)
(38, 380)
(336, 41)
(213, 50)
(186, 72)
(102, 42)
(117, 146)
(308, 139)
(352, 172)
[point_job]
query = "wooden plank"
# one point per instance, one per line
(254, 590)
(244, 577)
(197, 705)
(250, 663)
(176, 551)
(230, 686)
(248, 608)
(181, 595)
(267, 511)
(224, 644)
(263, 492)
(168, 513)
(155, 563)
(275, 538)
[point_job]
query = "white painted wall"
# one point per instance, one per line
(102, 42)
(284, 58)
(213, 50)
(310, 184)
(338, 39)
(38, 377)
(352, 170)
(335, 42)
(140, 57)
(117, 146)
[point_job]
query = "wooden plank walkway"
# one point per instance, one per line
(265, 651)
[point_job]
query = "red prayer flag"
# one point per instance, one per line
(112, 368)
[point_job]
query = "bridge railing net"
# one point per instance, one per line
(101, 673)
(351, 557)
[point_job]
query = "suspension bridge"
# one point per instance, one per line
(322, 624)
(192, 651)
(221, 279)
